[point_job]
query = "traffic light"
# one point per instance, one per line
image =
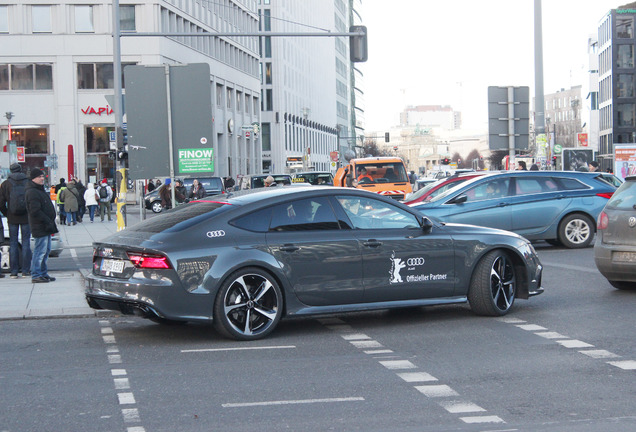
(112, 154)
(358, 44)
(122, 154)
(554, 158)
(445, 161)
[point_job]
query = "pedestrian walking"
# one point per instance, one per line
(13, 206)
(180, 191)
(41, 213)
(70, 196)
(60, 202)
(81, 202)
(91, 197)
(197, 191)
(105, 194)
(151, 186)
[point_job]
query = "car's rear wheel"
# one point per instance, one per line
(156, 206)
(493, 286)
(621, 285)
(576, 231)
(248, 306)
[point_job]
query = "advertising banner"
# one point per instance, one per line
(194, 160)
(577, 160)
(624, 160)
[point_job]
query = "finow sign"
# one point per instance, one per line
(196, 160)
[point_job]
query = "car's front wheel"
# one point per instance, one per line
(494, 284)
(576, 231)
(156, 206)
(248, 306)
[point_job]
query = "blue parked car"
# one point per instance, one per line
(560, 207)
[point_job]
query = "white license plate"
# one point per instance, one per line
(624, 257)
(112, 266)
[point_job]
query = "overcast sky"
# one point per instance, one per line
(436, 52)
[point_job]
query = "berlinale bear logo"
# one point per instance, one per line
(396, 265)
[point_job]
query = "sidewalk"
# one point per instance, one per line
(21, 299)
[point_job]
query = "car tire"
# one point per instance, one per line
(156, 207)
(248, 305)
(494, 285)
(621, 285)
(576, 231)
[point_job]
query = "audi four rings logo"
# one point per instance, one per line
(218, 233)
(415, 262)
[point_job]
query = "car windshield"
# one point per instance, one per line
(314, 178)
(624, 198)
(181, 217)
(390, 172)
(453, 189)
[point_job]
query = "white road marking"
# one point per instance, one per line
(551, 335)
(624, 364)
(291, 402)
(397, 364)
(340, 328)
(531, 327)
(121, 383)
(136, 429)
(107, 330)
(238, 349)
(130, 415)
(510, 320)
(126, 398)
(366, 344)
(482, 419)
(73, 253)
(456, 407)
(118, 372)
(104, 322)
(355, 336)
(381, 351)
(598, 354)
(114, 359)
(436, 390)
(416, 376)
(112, 349)
(109, 339)
(573, 343)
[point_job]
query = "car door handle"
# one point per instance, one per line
(560, 196)
(289, 248)
(502, 204)
(372, 243)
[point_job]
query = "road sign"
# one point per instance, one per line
(557, 149)
(508, 117)
(247, 134)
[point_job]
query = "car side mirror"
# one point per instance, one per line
(426, 224)
(459, 199)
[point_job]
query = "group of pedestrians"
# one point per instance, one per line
(181, 193)
(74, 199)
(30, 213)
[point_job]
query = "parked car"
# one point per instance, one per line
(57, 246)
(615, 246)
(313, 178)
(424, 181)
(212, 185)
(560, 207)
(448, 173)
(247, 259)
(257, 181)
(431, 190)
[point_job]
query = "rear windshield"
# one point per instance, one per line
(390, 172)
(624, 198)
(314, 178)
(182, 217)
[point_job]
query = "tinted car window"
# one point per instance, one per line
(180, 218)
(257, 221)
(303, 215)
(369, 213)
(572, 184)
(624, 198)
(488, 190)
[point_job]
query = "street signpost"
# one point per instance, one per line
(508, 119)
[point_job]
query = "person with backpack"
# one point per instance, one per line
(60, 203)
(105, 194)
(13, 206)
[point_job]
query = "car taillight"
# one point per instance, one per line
(603, 221)
(607, 195)
(148, 261)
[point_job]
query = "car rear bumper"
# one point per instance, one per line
(610, 265)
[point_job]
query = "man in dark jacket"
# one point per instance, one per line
(18, 220)
(42, 221)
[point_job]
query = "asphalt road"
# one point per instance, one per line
(561, 361)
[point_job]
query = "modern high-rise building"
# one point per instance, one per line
(617, 82)
(56, 69)
(308, 100)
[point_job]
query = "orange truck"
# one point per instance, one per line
(383, 175)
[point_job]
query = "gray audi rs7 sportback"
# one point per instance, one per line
(245, 260)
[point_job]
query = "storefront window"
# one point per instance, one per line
(97, 139)
(34, 141)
